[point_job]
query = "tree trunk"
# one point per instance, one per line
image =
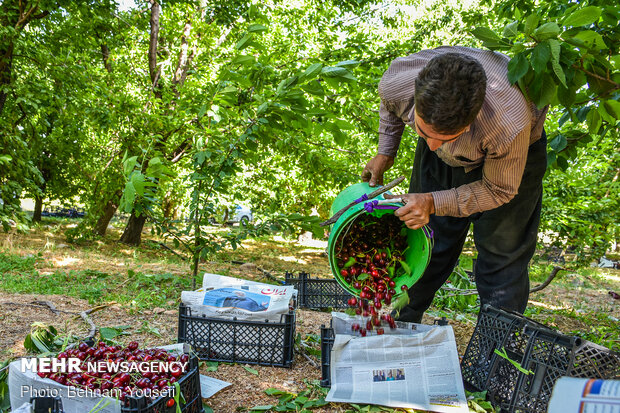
(104, 220)
(133, 230)
(38, 206)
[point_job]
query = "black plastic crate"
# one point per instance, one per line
(327, 342)
(548, 354)
(266, 343)
(46, 404)
(189, 384)
(317, 293)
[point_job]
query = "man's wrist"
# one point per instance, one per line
(431, 203)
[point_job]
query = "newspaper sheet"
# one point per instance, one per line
(228, 297)
(209, 386)
(415, 367)
(573, 395)
(25, 383)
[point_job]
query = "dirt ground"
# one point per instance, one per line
(159, 326)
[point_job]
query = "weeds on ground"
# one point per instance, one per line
(138, 290)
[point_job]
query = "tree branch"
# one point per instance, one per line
(154, 22)
(550, 278)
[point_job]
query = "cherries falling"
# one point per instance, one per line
(127, 383)
(370, 259)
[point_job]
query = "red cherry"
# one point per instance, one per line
(404, 288)
(170, 403)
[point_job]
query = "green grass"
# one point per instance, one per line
(136, 289)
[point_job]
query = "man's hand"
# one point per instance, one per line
(417, 209)
(375, 168)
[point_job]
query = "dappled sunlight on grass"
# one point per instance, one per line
(547, 306)
(65, 261)
(291, 259)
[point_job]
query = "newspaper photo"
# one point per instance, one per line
(585, 396)
(415, 367)
(228, 297)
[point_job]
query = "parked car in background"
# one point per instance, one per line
(240, 214)
(237, 214)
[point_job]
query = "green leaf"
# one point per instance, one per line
(566, 96)
(547, 31)
(594, 121)
(517, 68)
(613, 108)
(207, 408)
(348, 63)
(343, 124)
(272, 391)
(583, 17)
(554, 45)
(558, 143)
(511, 29)
(486, 35)
(504, 355)
(405, 267)
(540, 56)
(543, 90)
(350, 262)
(253, 28)
(129, 165)
(212, 365)
(108, 333)
(337, 72)
(400, 300)
(251, 370)
(261, 408)
(591, 39)
(531, 22)
(244, 42)
(243, 60)
(129, 196)
(605, 115)
(363, 276)
(313, 70)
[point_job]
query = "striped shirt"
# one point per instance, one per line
(498, 138)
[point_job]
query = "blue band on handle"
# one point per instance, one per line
(369, 207)
(362, 199)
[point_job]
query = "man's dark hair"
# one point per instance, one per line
(449, 92)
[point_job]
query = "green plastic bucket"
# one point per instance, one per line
(417, 256)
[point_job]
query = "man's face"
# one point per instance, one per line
(434, 139)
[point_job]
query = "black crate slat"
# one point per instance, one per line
(327, 342)
(239, 341)
(317, 293)
(545, 352)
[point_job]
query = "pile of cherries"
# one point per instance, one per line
(130, 383)
(369, 255)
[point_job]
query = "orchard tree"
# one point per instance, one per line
(566, 55)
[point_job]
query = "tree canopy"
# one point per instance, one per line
(171, 110)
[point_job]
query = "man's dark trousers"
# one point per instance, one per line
(505, 237)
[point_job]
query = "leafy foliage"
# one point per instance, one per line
(567, 56)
